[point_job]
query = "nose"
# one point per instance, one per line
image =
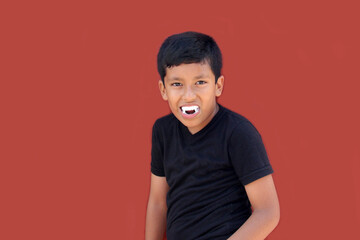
(189, 94)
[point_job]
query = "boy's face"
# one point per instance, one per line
(191, 92)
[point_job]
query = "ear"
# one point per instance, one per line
(219, 86)
(162, 90)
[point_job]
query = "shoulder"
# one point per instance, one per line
(240, 128)
(238, 122)
(164, 122)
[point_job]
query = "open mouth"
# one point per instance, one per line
(189, 110)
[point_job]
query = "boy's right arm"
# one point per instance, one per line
(156, 209)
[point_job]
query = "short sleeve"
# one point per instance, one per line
(247, 153)
(157, 166)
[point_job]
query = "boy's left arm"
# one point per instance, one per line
(266, 210)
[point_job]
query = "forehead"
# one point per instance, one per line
(189, 70)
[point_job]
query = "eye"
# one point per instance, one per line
(201, 82)
(176, 84)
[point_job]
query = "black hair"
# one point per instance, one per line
(189, 47)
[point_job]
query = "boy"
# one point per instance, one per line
(211, 177)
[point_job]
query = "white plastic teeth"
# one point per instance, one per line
(190, 109)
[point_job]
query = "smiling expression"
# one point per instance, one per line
(191, 92)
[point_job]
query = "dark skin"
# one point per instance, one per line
(194, 85)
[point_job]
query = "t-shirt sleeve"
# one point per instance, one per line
(157, 165)
(247, 154)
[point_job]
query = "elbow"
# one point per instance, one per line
(274, 214)
(271, 216)
(275, 217)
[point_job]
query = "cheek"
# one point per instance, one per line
(173, 95)
(207, 94)
(172, 100)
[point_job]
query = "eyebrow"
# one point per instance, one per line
(201, 76)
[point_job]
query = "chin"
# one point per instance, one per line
(189, 124)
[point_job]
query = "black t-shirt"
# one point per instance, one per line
(206, 173)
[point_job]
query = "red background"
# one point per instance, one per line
(78, 97)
